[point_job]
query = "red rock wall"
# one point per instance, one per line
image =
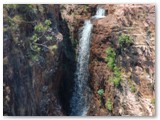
(136, 21)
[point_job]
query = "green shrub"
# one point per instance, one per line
(124, 39)
(109, 105)
(40, 37)
(110, 52)
(43, 27)
(47, 22)
(40, 28)
(117, 72)
(101, 92)
(110, 59)
(117, 76)
(110, 62)
(35, 37)
(116, 81)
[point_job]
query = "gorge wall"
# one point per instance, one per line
(39, 59)
(136, 92)
(36, 81)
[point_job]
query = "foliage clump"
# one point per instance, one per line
(101, 92)
(41, 36)
(124, 40)
(109, 105)
(117, 76)
(110, 59)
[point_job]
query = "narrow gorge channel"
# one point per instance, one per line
(81, 91)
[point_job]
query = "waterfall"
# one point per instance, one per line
(100, 13)
(79, 98)
(81, 91)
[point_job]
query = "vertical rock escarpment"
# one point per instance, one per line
(135, 94)
(38, 70)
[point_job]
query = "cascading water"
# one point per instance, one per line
(80, 97)
(100, 13)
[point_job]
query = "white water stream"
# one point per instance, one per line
(81, 91)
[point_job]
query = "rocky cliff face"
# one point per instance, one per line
(37, 75)
(40, 44)
(136, 92)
